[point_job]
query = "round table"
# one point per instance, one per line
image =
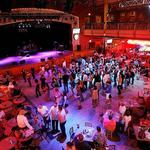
(6, 104)
(12, 122)
(1, 94)
(8, 143)
(18, 101)
(3, 89)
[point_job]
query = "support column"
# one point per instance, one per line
(105, 14)
(105, 24)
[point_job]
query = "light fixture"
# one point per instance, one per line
(89, 14)
(76, 36)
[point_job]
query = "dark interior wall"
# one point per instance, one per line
(65, 5)
(6, 5)
(43, 37)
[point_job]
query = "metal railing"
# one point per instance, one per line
(119, 26)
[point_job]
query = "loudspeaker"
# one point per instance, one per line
(61, 48)
(50, 58)
(28, 55)
(14, 63)
(42, 59)
(78, 47)
(22, 62)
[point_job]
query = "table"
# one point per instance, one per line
(12, 122)
(4, 93)
(115, 115)
(136, 131)
(8, 143)
(6, 104)
(9, 125)
(87, 132)
(1, 94)
(132, 103)
(18, 101)
(3, 89)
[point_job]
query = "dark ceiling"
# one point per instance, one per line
(66, 5)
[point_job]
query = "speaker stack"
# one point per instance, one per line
(14, 63)
(50, 58)
(22, 62)
(42, 59)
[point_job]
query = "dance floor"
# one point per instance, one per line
(88, 113)
(9, 61)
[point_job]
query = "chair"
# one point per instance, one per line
(111, 147)
(71, 133)
(88, 124)
(109, 134)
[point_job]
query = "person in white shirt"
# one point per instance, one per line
(2, 115)
(64, 64)
(122, 109)
(43, 110)
(57, 95)
(85, 80)
(54, 117)
(62, 119)
(127, 119)
(22, 120)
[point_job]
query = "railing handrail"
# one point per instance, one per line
(120, 25)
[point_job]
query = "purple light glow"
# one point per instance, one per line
(31, 59)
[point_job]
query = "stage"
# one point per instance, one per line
(31, 59)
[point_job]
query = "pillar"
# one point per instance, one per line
(105, 14)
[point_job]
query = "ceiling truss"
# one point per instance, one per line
(131, 3)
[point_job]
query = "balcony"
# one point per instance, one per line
(136, 30)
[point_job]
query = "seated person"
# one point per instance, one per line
(122, 109)
(110, 124)
(99, 139)
(80, 144)
(148, 116)
(70, 146)
(2, 115)
(1, 130)
(10, 88)
(17, 90)
(127, 119)
(22, 120)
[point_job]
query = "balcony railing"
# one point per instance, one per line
(119, 26)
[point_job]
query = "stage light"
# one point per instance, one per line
(76, 36)
(76, 30)
(90, 41)
(89, 14)
(109, 41)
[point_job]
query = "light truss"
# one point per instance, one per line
(131, 3)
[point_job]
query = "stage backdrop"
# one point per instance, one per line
(44, 36)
